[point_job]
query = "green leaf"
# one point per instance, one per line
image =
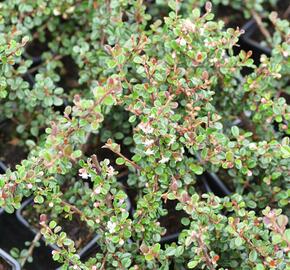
(126, 262)
(238, 164)
(229, 156)
(52, 224)
(259, 266)
(120, 161)
(109, 101)
(149, 257)
(39, 199)
(55, 256)
(196, 13)
(192, 264)
(276, 238)
(235, 131)
(138, 59)
(172, 4)
(239, 241)
(77, 154)
(287, 234)
(285, 149)
(196, 169)
(170, 251)
(253, 256)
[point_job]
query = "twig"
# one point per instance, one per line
(96, 163)
(136, 166)
(286, 13)
(31, 248)
(55, 58)
(204, 249)
(262, 28)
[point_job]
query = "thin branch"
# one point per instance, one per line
(286, 13)
(31, 248)
(55, 58)
(137, 167)
(262, 28)
(96, 163)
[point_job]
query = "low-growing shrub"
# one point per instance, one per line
(172, 100)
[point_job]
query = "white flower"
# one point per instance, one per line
(110, 171)
(172, 140)
(56, 12)
(111, 226)
(179, 158)
(148, 142)
(96, 204)
(252, 146)
(182, 42)
(70, 9)
(149, 152)
(146, 128)
(29, 186)
(83, 173)
(164, 160)
(97, 190)
(188, 26)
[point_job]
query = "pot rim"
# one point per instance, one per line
(34, 231)
(10, 260)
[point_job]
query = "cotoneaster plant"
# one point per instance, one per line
(191, 110)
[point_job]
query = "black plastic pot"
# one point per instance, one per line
(169, 238)
(251, 29)
(3, 168)
(23, 221)
(29, 78)
(9, 260)
(35, 59)
(212, 183)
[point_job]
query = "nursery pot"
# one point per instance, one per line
(212, 183)
(251, 29)
(24, 222)
(3, 167)
(29, 78)
(9, 262)
(35, 59)
(2, 171)
(172, 223)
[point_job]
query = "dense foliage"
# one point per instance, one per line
(171, 99)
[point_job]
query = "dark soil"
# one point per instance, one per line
(231, 17)
(14, 234)
(36, 48)
(172, 221)
(11, 152)
(4, 265)
(284, 9)
(114, 126)
(76, 229)
(69, 74)
(258, 35)
(225, 178)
